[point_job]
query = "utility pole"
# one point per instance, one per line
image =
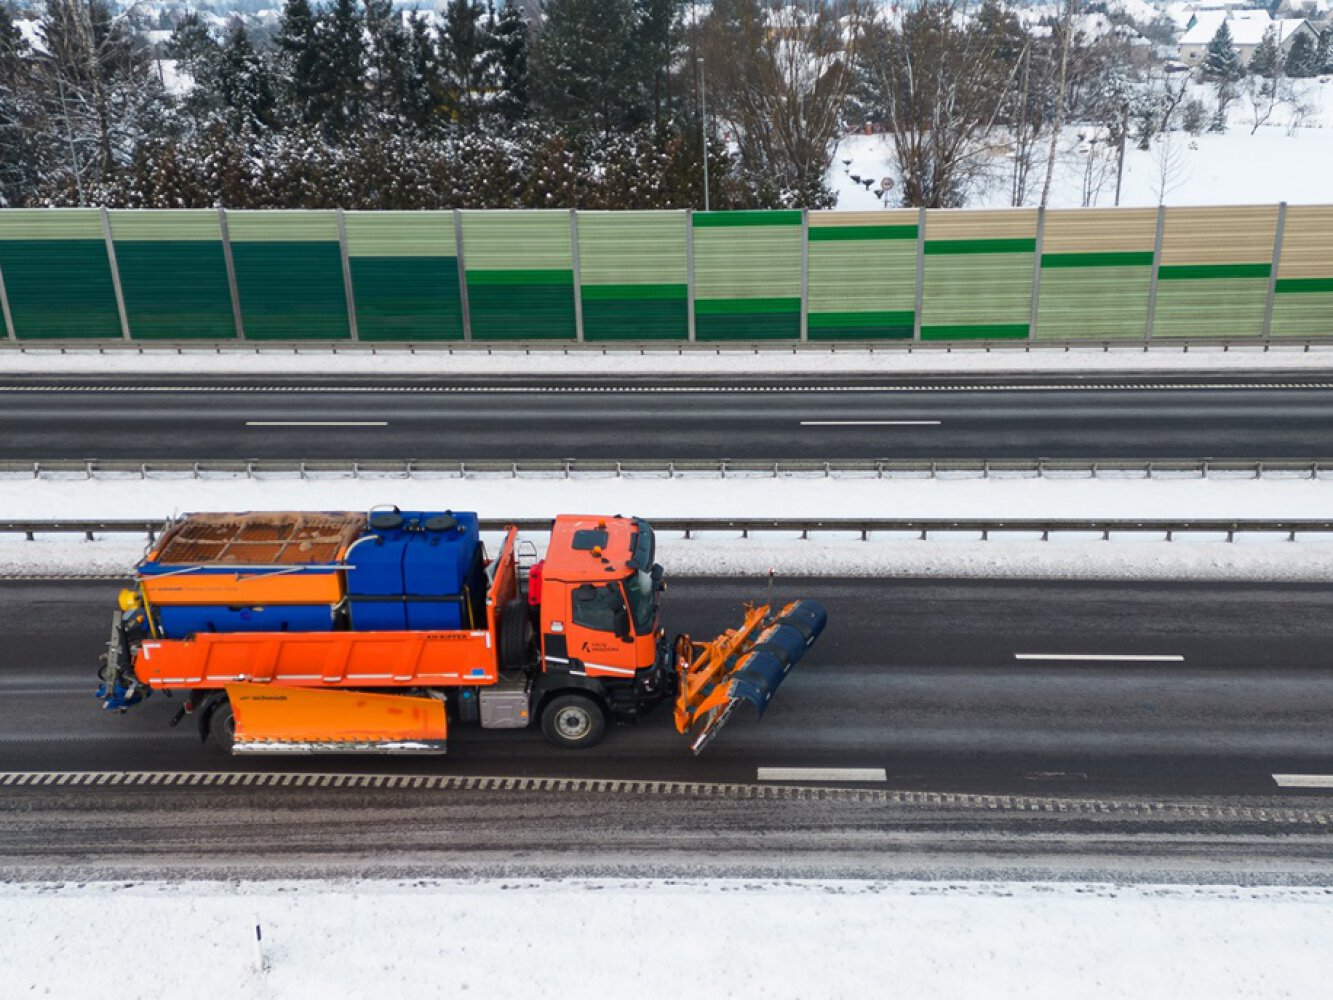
(703, 116)
(1120, 162)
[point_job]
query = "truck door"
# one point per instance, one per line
(599, 639)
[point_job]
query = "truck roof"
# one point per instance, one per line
(587, 548)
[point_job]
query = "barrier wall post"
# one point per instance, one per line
(689, 273)
(920, 272)
(227, 259)
(1036, 273)
(1272, 271)
(115, 275)
(462, 275)
(805, 274)
(348, 292)
(1156, 266)
(578, 273)
(4, 309)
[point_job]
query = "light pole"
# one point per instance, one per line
(703, 115)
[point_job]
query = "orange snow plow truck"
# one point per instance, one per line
(344, 632)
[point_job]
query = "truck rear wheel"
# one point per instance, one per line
(573, 722)
(222, 727)
(515, 639)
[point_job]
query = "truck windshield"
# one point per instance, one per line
(642, 600)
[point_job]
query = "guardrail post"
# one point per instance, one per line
(348, 292)
(230, 261)
(805, 274)
(4, 308)
(920, 273)
(115, 275)
(462, 275)
(689, 275)
(1036, 274)
(1156, 267)
(578, 275)
(1272, 272)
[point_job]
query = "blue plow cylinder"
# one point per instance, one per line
(779, 648)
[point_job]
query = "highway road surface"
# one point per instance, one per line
(1209, 416)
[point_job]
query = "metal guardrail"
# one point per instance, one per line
(864, 527)
(660, 348)
(1311, 468)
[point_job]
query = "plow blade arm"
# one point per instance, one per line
(744, 665)
(277, 719)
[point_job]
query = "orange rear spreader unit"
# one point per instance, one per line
(296, 632)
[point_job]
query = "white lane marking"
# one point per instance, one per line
(1304, 780)
(823, 774)
(1105, 657)
(870, 423)
(317, 423)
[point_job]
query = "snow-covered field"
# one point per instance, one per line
(1275, 163)
(1259, 557)
(658, 938)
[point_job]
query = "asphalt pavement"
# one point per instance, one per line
(1176, 416)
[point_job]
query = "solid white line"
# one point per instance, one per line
(317, 423)
(1304, 780)
(1100, 657)
(870, 423)
(822, 774)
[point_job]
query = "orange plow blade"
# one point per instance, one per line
(278, 719)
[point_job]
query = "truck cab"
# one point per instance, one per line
(598, 617)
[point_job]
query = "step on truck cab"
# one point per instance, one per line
(341, 632)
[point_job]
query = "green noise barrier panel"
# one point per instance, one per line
(1303, 292)
(747, 275)
(1214, 273)
(1096, 274)
(57, 274)
(862, 275)
(289, 275)
(978, 274)
(173, 274)
(632, 274)
(520, 275)
(404, 268)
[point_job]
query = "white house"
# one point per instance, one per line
(1247, 31)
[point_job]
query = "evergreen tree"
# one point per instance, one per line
(343, 56)
(509, 40)
(465, 55)
(301, 80)
(243, 83)
(1324, 50)
(1222, 63)
(388, 59)
(422, 93)
(584, 65)
(1303, 56)
(1265, 60)
(19, 162)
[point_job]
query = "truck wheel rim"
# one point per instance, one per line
(573, 723)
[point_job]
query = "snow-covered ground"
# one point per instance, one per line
(1132, 556)
(663, 938)
(1278, 162)
(622, 362)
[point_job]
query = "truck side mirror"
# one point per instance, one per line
(622, 624)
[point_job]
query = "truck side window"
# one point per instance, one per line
(594, 608)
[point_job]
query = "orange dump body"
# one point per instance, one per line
(274, 719)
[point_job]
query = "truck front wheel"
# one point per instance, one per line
(573, 722)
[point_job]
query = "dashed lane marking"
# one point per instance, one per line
(1144, 808)
(1105, 657)
(870, 423)
(1303, 780)
(822, 774)
(317, 423)
(650, 389)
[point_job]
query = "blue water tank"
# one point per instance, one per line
(417, 570)
(177, 621)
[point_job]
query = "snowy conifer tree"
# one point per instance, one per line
(1222, 63)
(1303, 57)
(1265, 61)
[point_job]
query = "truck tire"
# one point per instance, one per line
(573, 722)
(515, 640)
(222, 727)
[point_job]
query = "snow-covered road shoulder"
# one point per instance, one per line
(664, 938)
